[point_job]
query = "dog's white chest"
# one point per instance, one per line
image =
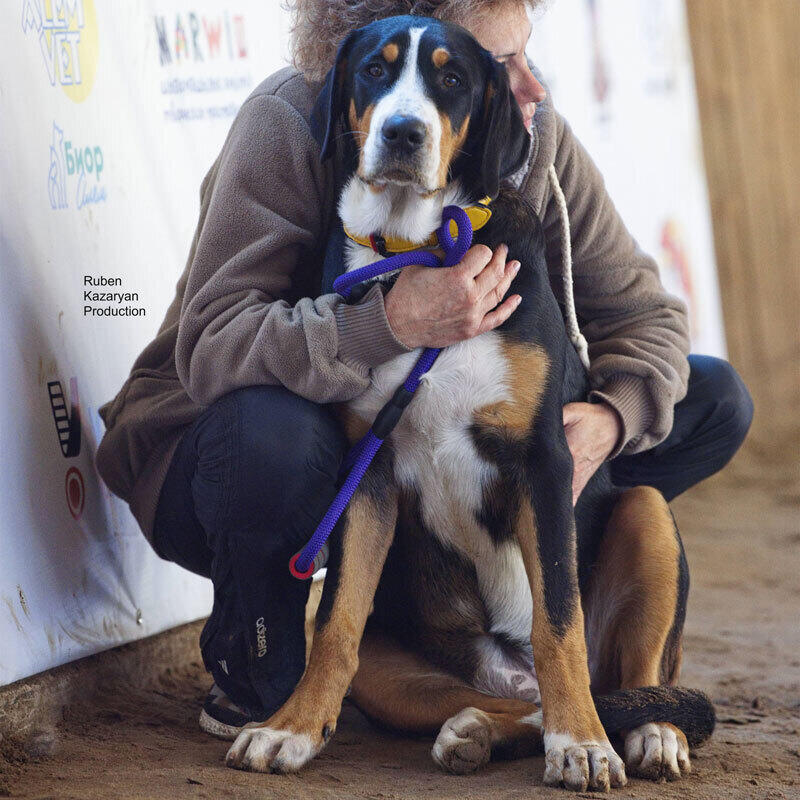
(435, 455)
(434, 451)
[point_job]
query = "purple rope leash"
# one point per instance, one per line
(302, 564)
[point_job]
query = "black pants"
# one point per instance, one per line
(255, 473)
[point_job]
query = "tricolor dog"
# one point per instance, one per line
(504, 621)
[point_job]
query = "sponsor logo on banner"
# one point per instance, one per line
(68, 423)
(658, 36)
(66, 31)
(75, 165)
(196, 37)
(76, 492)
(68, 433)
(675, 263)
(204, 64)
(600, 80)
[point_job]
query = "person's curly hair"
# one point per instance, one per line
(319, 25)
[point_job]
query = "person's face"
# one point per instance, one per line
(505, 32)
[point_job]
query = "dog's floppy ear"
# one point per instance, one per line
(504, 142)
(330, 102)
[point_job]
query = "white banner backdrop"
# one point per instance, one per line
(620, 71)
(110, 115)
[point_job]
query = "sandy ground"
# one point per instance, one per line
(742, 646)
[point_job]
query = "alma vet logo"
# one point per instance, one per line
(68, 41)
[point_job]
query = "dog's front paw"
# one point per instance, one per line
(271, 750)
(657, 750)
(464, 743)
(289, 739)
(581, 765)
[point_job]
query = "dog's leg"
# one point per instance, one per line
(578, 753)
(403, 691)
(635, 607)
(301, 727)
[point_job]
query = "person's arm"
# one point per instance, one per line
(637, 333)
(261, 219)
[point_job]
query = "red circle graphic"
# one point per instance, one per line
(76, 494)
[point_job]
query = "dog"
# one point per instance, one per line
(500, 618)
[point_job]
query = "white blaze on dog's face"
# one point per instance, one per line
(410, 105)
(403, 141)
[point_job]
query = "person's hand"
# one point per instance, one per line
(593, 430)
(435, 307)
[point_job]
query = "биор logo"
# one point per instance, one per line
(68, 40)
(67, 159)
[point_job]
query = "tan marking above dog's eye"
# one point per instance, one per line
(440, 57)
(390, 52)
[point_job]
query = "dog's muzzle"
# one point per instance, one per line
(402, 151)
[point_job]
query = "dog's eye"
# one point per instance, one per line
(451, 80)
(374, 71)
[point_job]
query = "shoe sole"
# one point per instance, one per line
(219, 729)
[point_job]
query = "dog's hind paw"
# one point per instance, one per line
(657, 750)
(582, 765)
(270, 750)
(464, 743)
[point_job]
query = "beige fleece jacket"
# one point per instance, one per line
(246, 309)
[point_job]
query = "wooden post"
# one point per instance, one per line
(747, 68)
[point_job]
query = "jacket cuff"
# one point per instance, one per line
(629, 397)
(365, 337)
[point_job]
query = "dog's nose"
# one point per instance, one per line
(403, 133)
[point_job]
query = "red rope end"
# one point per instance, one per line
(301, 576)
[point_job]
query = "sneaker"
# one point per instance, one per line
(221, 717)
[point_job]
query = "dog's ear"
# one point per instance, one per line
(504, 142)
(330, 103)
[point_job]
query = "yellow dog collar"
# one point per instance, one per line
(479, 214)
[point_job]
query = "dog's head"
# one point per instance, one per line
(425, 104)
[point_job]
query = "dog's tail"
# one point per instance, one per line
(688, 709)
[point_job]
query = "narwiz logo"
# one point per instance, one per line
(68, 40)
(261, 637)
(200, 38)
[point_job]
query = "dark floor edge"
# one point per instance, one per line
(39, 701)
